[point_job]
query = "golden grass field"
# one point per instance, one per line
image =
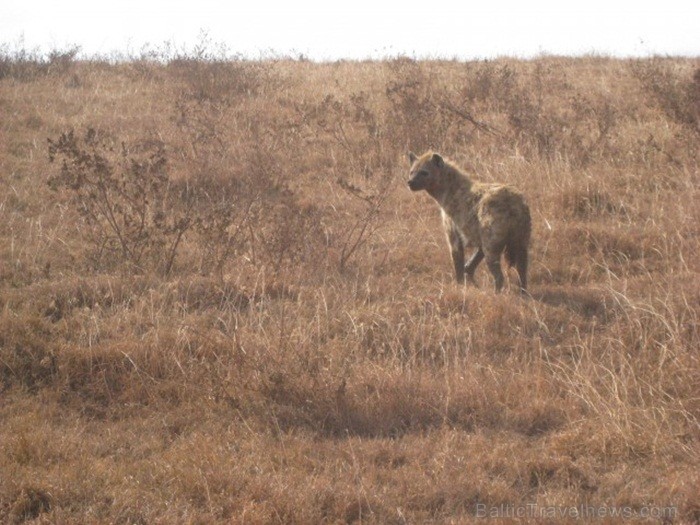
(220, 303)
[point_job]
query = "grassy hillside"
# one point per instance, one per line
(220, 303)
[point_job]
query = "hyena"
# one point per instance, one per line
(493, 218)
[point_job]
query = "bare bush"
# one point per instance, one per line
(25, 66)
(362, 164)
(414, 99)
(246, 201)
(677, 95)
(123, 195)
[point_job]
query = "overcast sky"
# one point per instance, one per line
(359, 29)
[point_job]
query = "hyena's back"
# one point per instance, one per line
(504, 221)
(493, 217)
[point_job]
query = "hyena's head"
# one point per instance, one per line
(426, 171)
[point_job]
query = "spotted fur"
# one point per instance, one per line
(492, 218)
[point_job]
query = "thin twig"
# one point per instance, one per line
(483, 126)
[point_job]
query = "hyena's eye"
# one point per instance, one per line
(422, 173)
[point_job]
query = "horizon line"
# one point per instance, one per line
(171, 52)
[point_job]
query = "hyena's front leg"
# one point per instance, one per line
(473, 262)
(457, 251)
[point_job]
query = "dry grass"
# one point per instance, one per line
(305, 356)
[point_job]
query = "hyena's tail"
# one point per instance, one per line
(516, 250)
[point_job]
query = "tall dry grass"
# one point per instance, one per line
(300, 354)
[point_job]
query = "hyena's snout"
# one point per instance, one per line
(418, 181)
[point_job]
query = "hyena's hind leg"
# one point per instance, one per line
(516, 255)
(495, 269)
(472, 263)
(457, 251)
(492, 254)
(521, 268)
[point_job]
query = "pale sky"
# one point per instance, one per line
(359, 29)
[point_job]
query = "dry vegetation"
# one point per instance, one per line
(219, 302)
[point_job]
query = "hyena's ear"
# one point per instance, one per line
(438, 160)
(412, 157)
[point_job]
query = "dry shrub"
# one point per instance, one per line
(490, 84)
(289, 235)
(216, 80)
(420, 99)
(362, 166)
(412, 97)
(122, 194)
(202, 120)
(255, 218)
(577, 131)
(27, 66)
(248, 207)
(678, 95)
